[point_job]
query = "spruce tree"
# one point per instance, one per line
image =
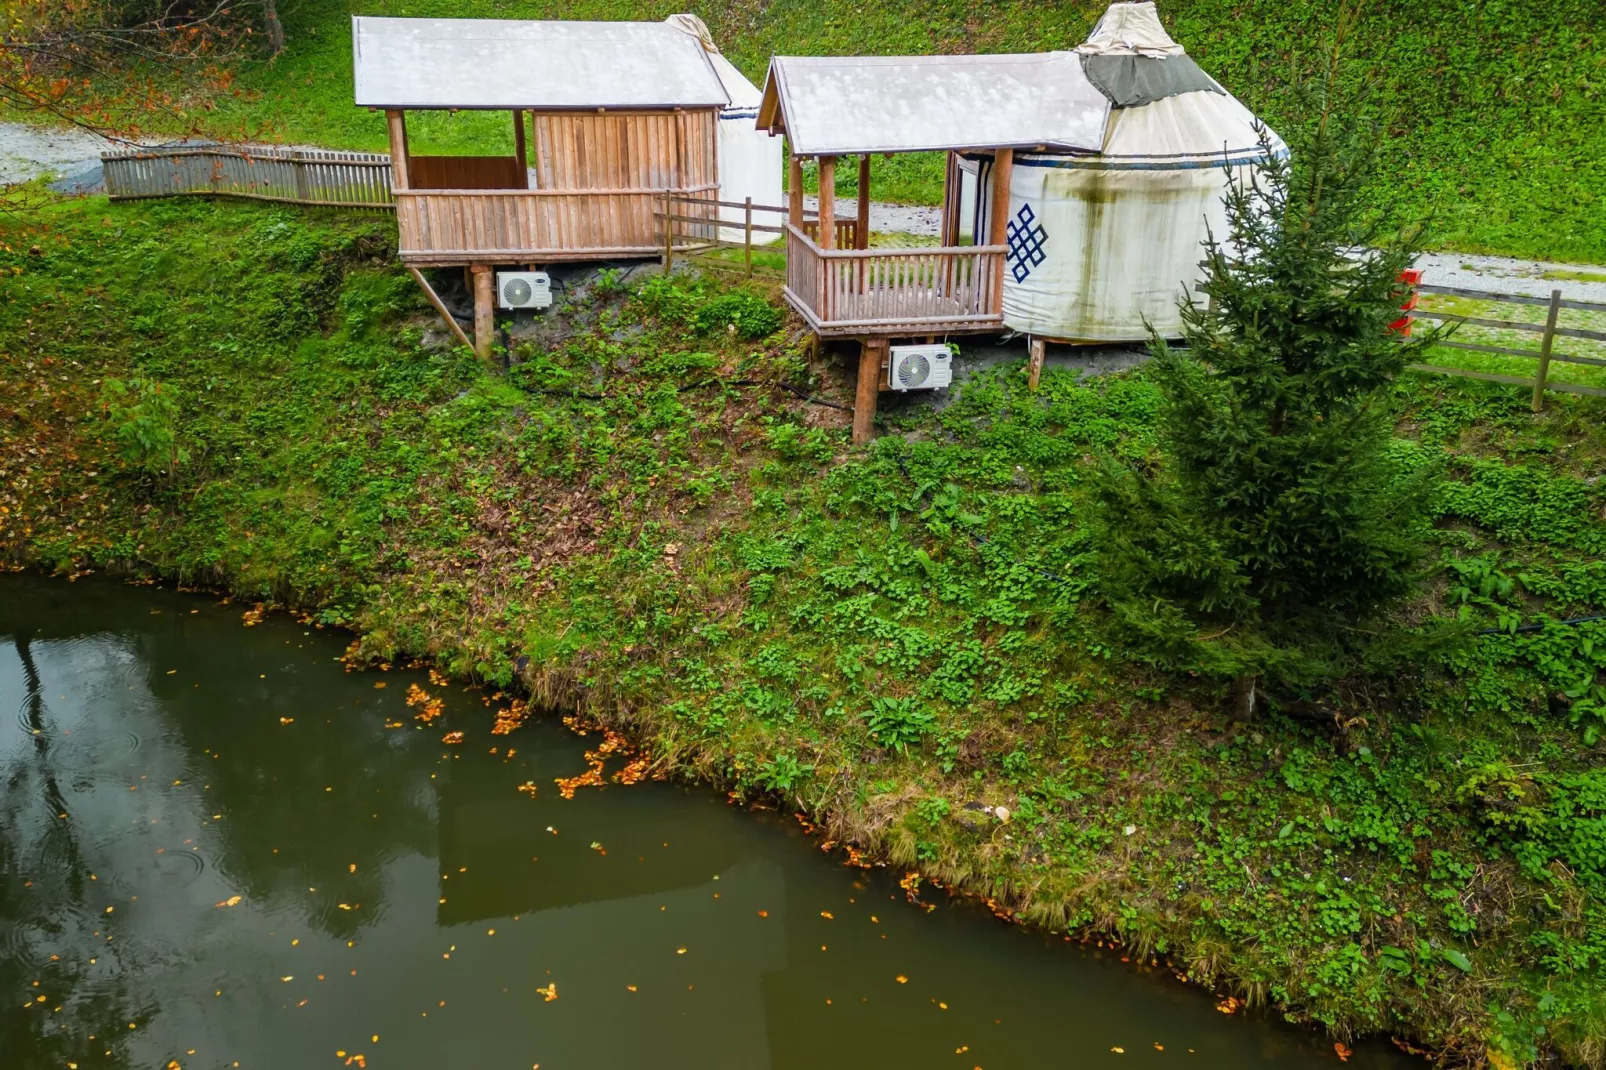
(1274, 526)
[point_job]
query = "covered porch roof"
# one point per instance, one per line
(847, 105)
(403, 63)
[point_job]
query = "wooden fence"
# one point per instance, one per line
(1548, 332)
(296, 176)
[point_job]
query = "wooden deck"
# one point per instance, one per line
(867, 292)
(459, 226)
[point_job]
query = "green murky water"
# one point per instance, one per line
(399, 899)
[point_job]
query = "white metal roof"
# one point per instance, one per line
(854, 104)
(508, 63)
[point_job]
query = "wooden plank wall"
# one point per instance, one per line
(625, 150)
(465, 172)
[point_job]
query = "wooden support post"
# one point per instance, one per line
(998, 223)
(951, 185)
(397, 122)
(862, 238)
(872, 352)
(1545, 343)
(794, 191)
(669, 234)
(484, 311)
(1038, 349)
(827, 202)
(520, 150)
(440, 306)
(747, 238)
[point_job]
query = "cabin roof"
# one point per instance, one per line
(841, 105)
(511, 63)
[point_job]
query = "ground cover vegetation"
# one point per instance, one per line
(913, 643)
(1487, 112)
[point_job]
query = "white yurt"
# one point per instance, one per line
(750, 160)
(1103, 245)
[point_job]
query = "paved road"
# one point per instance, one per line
(73, 156)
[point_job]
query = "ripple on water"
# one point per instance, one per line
(87, 750)
(30, 942)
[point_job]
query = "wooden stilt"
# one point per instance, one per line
(1037, 348)
(440, 306)
(484, 311)
(872, 352)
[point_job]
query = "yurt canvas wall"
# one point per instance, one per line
(750, 160)
(1102, 247)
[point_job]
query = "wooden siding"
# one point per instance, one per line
(850, 292)
(465, 172)
(440, 227)
(625, 150)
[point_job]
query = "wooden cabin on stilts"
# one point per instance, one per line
(609, 120)
(855, 107)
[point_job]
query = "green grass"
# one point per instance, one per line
(1489, 113)
(636, 522)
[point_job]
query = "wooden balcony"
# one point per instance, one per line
(869, 292)
(520, 226)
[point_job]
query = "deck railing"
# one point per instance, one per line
(298, 176)
(521, 226)
(914, 291)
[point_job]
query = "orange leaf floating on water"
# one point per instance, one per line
(287, 720)
(1343, 1052)
(429, 706)
(436, 678)
(631, 987)
(452, 737)
(1229, 1005)
(902, 980)
(763, 913)
(231, 901)
(550, 992)
(528, 788)
(509, 719)
(827, 915)
(253, 616)
(379, 685)
(1119, 1051)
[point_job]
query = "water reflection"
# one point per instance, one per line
(216, 834)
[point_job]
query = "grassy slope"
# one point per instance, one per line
(1491, 110)
(716, 570)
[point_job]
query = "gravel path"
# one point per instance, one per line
(73, 156)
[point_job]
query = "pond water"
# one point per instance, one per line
(218, 848)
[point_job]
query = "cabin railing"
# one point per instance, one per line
(884, 291)
(521, 226)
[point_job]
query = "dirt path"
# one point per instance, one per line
(73, 156)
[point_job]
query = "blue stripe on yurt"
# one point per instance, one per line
(739, 113)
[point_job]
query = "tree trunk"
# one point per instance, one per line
(273, 27)
(1243, 697)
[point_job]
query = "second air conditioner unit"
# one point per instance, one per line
(926, 367)
(523, 289)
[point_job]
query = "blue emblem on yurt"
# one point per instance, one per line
(1026, 241)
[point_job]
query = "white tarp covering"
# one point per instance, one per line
(1129, 30)
(508, 63)
(1103, 246)
(750, 160)
(837, 106)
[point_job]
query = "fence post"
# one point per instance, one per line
(1544, 351)
(669, 236)
(747, 246)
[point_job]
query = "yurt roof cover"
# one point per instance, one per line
(744, 95)
(837, 106)
(1130, 29)
(510, 63)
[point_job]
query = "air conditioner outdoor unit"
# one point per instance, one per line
(926, 367)
(523, 289)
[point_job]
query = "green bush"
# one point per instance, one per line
(751, 315)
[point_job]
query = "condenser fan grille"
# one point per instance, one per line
(913, 371)
(516, 292)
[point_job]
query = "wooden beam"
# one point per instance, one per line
(519, 149)
(397, 122)
(827, 202)
(794, 191)
(862, 238)
(484, 311)
(872, 351)
(1038, 349)
(440, 306)
(998, 224)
